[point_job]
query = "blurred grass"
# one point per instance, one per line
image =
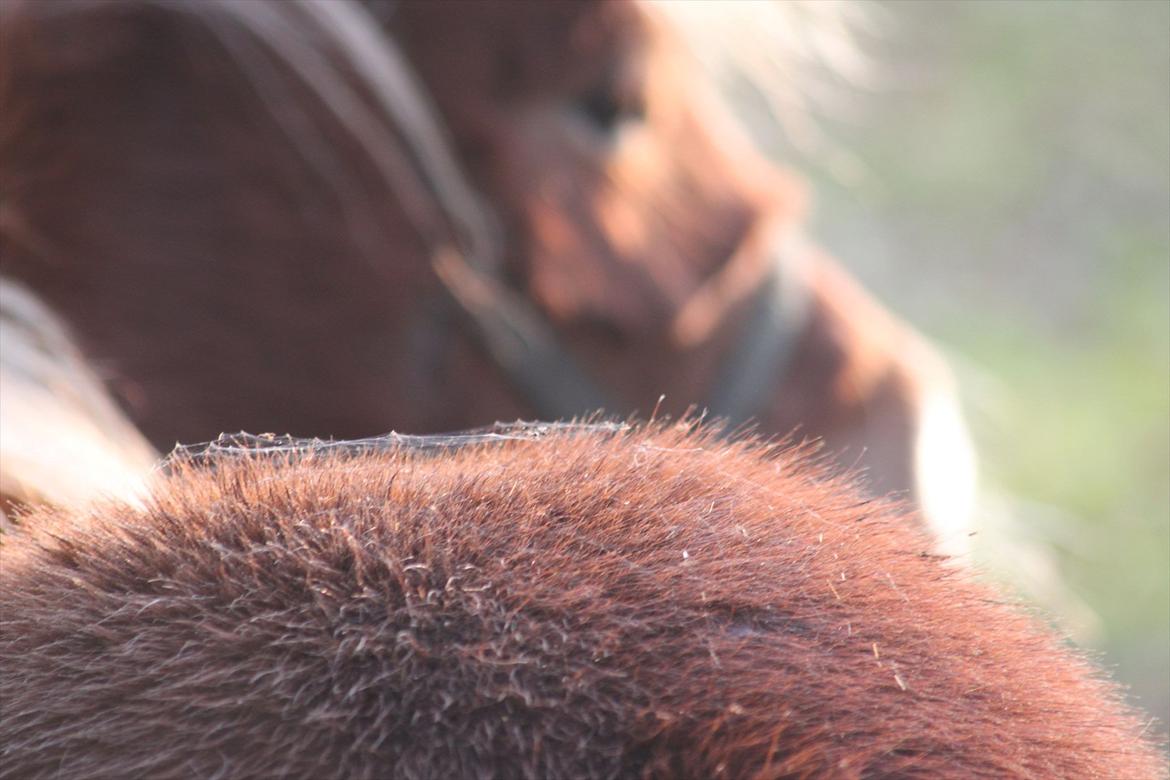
(1006, 187)
(1085, 429)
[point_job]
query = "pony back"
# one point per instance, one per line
(594, 602)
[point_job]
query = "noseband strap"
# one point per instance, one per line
(524, 345)
(520, 342)
(768, 341)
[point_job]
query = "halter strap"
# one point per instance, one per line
(525, 346)
(768, 339)
(520, 341)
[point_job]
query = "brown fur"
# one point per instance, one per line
(647, 603)
(229, 253)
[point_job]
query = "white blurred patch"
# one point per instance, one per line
(945, 469)
(63, 440)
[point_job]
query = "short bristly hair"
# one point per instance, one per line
(598, 602)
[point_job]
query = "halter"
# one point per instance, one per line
(466, 257)
(525, 346)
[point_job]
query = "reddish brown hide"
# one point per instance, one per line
(206, 193)
(592, 603)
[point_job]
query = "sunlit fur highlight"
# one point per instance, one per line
(653, 603)
(63, 439)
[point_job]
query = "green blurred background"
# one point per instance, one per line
(1002, 179)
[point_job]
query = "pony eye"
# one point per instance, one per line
(607, 107)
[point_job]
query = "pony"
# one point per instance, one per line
(336, 218)
(574, 601)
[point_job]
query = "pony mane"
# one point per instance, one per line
(800, 59)
(591, 602)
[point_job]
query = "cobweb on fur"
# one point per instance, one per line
(242, 444)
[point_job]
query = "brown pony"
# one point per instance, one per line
(553, 603)
(271, 215)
